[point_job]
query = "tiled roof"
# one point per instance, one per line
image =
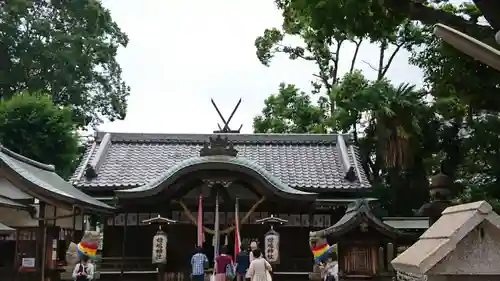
(357, 213)
(221, 162)
(46, 181)
(302, 161)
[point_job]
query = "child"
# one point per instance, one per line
(330, 269)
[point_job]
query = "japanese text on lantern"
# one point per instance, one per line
(271, 246)
(160, 248)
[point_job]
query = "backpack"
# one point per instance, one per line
(230, 272)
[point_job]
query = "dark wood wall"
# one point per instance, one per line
(295, 253)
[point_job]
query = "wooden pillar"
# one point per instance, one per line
(83, 225)
(161, 272)
(124, 242)
(73, 234)
(162, 269)
(41, 241)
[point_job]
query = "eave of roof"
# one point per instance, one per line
(228, 163)
(469, 45)
(47, 183)
(8, 203)
(5, 230)
(355, 214)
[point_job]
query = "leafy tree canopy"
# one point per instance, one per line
(404, 134)
(67, 49)
(32, 125)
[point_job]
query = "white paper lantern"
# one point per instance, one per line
(272, 246)
(160, 247)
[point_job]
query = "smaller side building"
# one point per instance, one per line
(365, 244)
(45, 212)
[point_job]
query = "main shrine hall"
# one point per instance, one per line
(305, 180)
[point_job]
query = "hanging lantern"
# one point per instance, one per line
(272, 239)
(272, 246)
(160, 247)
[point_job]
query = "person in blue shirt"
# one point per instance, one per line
(242, 263)
(198, 262)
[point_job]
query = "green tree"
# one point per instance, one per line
(406, 134)
(66, 49)
(290, 111)
(468, 92)
(375, 110)
(35, 127)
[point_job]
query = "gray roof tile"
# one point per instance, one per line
(47, 181)
(301, 161)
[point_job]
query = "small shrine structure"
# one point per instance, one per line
(365, 245)
(463, 245)
(40, 213)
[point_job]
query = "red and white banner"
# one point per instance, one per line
(237, 237)
(199, 222)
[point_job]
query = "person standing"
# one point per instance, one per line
(260, 269)
(253, 246)
(84, 270)
(198, 262)
(221, 265)
(242, 263)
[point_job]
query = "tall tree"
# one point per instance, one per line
(35, 127)
(347, 101)
(290, 111)
(406, 134)
(67, 49)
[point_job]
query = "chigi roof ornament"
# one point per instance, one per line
(218, 146)
(226, 128)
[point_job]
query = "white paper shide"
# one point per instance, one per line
(160, 247)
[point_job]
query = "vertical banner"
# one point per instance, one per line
(216, 227)
(237, 236)
(199, 223)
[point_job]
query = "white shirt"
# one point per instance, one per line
(331, 269)
(88, 268)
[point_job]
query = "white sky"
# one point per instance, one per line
(182, 53)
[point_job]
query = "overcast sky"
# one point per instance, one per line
(182, 53)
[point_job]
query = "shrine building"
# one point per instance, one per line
(304, 180)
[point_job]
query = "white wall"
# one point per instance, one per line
(17, 218)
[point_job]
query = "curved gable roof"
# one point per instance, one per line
(356, 213)
(46, 182)
(218, 162)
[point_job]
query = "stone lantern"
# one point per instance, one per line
(439, 192)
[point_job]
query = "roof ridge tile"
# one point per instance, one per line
(325, 139)
(26, 160)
